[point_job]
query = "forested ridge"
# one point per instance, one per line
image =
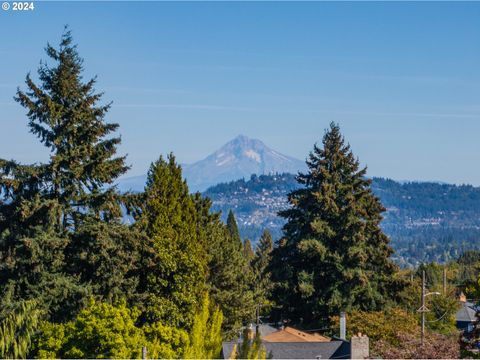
(427, 221)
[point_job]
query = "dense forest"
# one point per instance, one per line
(425, 221)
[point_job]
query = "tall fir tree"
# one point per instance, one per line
(174, 277)
(248, 251)
(229, 279)
(334, 255)
(42, 205)
(66, 116)
(262, 282)
(232, 228)
(108, 259)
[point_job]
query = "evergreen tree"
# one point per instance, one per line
(334, 255)
(107, 257)
(174, 275)
(66, 116)
(229, 284)
(43, 205)
(248, 251)
(34, 267)
(232, 228)
(263, 284)
(263, 252)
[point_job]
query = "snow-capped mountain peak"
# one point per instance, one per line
(239, 158)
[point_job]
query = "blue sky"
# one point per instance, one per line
(401, 79)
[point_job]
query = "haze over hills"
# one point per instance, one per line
(426, 221)
(237, 159)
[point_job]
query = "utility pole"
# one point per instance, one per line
(423, 308)
(444, 281)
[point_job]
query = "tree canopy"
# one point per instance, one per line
(334, 255)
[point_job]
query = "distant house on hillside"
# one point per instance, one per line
(466, 316)
(290, 343)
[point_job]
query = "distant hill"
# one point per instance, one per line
(425, 221)
(237, 159)
(133, 183)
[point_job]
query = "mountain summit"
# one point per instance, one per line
(239, 158)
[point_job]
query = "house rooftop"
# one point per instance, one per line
(466, 313)
(298, 350)
(291, 335)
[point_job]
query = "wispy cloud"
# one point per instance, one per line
(453, 115)
(186, 106)
(393, 113)
(144, 89)
(12, 103)
(318, 71)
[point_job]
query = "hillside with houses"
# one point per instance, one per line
(425, 221)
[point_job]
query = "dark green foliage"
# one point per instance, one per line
(334, 255)
(174, 275)
(263, 252)
(442, 303)
(54, 239)
(66, 116)
(467, 271)
(107, 257)
(433, 274)
(34, 267)
(262, 283)
(62, 240)
(469, 257)
(232, 228)
(230, 277)
(408, 298)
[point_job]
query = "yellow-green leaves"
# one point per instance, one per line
(17, 330)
